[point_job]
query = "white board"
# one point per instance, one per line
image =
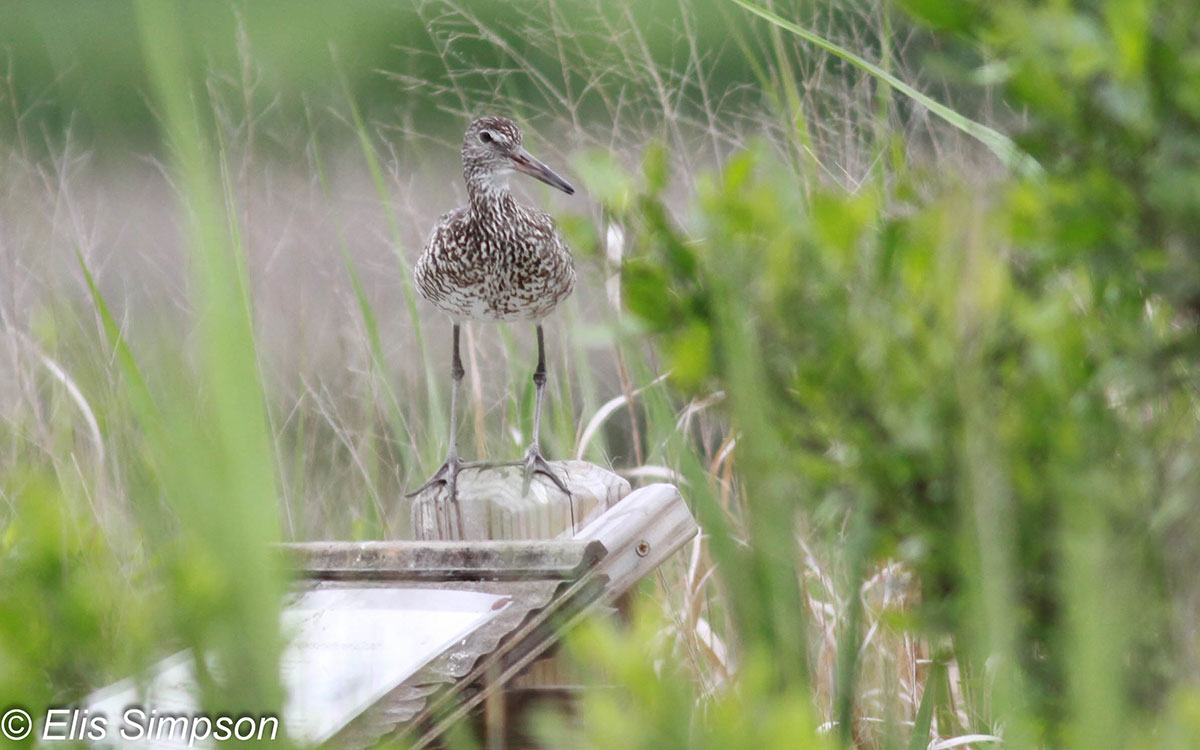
(348, 647)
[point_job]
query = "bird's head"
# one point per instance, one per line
(492, 149)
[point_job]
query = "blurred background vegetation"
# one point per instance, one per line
(924, 278)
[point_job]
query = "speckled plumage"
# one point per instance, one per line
(494, 259)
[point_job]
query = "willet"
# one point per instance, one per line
(496, 260)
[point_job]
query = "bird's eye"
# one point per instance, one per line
(486, 137)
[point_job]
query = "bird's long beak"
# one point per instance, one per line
(523, 161)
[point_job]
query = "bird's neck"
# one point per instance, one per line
(487, 191)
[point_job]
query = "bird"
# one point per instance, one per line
(496, 260)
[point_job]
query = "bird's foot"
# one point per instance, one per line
(447, 475)
(535, 464)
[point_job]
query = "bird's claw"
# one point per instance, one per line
(447, 475)
(535, 464)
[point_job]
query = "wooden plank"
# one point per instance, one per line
(520, 649)
(639, 533)
(558, 559)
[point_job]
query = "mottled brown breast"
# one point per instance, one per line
(499, 261)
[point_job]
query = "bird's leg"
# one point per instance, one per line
(534, 463)
(448, 473)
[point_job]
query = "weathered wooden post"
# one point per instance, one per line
(492, 504)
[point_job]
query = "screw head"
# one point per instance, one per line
(643, 548)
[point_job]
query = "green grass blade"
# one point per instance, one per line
(410, 299)
(850, 639)
(370, 324)
(139, 392)
(920, 734)
(216, 458)
(399, 426)
(998, 143)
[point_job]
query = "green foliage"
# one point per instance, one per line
(988, 379)
(657, 707)
(91, 598)
(910, 368)
(56, 648)
(1114, 87)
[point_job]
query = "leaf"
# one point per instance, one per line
(941, 15)
(646, 294)
(690, 355)
(606, 180)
